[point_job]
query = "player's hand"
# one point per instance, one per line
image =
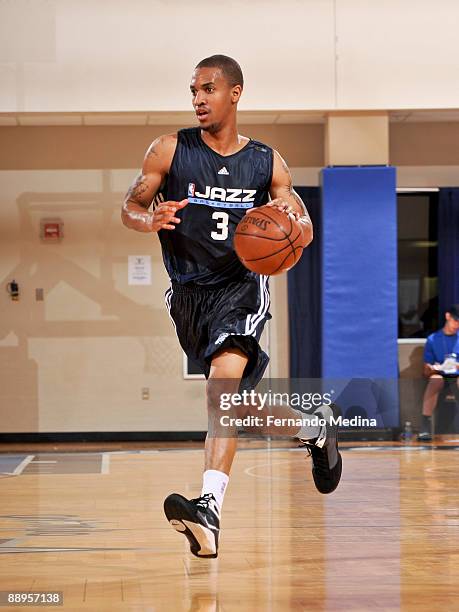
(164, 215)
(284, 207)
(281, 205)
(304, 222)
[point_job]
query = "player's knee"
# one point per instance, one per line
(218, 395)
(229, 363)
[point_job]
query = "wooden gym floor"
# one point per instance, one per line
(91, 524)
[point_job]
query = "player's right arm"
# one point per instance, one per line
(135, 213)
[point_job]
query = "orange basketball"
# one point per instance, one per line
(269, 241)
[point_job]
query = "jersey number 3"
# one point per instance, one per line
(222, 219)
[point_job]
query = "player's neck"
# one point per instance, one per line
(448, 331)
(226, 140)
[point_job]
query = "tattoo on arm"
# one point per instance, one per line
(292, 192)
(136, 191)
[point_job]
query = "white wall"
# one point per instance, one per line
(397, 54)
(78, 360)
(95, 55)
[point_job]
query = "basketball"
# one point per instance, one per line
(269, 241)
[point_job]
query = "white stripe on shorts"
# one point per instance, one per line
(253, 320)
(167, 299)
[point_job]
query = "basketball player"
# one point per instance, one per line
(201, 182)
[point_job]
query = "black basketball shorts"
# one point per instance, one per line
(208, 319)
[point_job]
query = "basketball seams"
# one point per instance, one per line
(260, 236)
(271, 254)
(276, 222)
(287, 236)
(293, 244)
(284, 260)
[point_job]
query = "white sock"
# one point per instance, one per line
(215, 482)
(307, 432)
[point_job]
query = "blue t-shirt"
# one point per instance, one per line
(438, 345)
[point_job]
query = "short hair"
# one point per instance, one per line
(454, 311)
(229, 67)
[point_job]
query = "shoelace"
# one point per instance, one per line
(320, 440)
(204, 500)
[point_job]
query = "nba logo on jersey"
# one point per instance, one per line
(191, 190)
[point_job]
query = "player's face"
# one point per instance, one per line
(213, 97)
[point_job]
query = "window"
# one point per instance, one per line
(417, 219)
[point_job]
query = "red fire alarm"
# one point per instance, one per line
(51, 230)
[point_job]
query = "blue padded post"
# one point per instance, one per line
(359, 285)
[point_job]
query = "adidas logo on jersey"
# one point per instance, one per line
(223, 171)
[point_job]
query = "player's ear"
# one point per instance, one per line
(236, 92)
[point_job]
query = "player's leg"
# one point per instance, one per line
(199, 519)
(318, 433)
(243, 327)
(434, 386)
(320, 439)
(226, 370)
(188, 516)
(228, 366)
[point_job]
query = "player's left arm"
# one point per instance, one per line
(285, 198)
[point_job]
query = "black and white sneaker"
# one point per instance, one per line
(198, 519)
(326, 459)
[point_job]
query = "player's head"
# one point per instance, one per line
(452, 317)
(216, 86)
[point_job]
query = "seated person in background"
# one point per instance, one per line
(439, 345)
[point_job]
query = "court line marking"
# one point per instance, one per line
(11, 543)
(36, 549)
(24, 463)
(105, 465)
(249, 471)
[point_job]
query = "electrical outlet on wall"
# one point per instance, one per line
(145, 393)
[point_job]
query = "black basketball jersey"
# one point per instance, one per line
(220, 189)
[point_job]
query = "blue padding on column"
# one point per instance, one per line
(359, 286)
